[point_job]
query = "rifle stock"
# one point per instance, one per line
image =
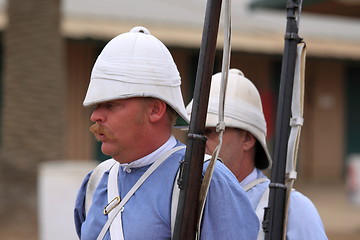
(191, 168)
(273, 224)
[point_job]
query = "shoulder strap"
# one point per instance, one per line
(175, 199)
(252, 184)
(94, 180)
(134, 188)
(174, 203)
(263, 202)
(260, 211)
(116, 231)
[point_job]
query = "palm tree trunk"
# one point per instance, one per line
(32, 126)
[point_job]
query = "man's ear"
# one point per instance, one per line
(249, 141)
(157, 110)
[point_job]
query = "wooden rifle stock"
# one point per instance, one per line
(273, 224)
(191, 168)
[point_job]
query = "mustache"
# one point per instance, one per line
(100, 130)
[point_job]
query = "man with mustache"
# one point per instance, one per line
(245, 153)
(135, 91)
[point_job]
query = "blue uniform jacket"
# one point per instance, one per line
(227, 213)
(304, 221)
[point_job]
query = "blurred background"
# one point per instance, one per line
(47, 51)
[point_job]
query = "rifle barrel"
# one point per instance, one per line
(274, 215)
(191, 169)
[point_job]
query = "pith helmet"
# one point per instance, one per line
(136, 64)
(243, 110)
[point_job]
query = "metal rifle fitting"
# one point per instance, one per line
(277, 185)
(199, 137)
(293, 36)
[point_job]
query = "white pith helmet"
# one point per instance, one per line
(136, 64)
(243, 110)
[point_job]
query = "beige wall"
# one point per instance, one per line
(80, 59)
(322, 152)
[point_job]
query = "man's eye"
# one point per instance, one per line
(109, 105)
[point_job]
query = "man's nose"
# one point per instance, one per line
(97, 116)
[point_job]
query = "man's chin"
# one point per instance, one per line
(106, 149)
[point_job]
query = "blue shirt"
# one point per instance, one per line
(304, 221)
(227, 213)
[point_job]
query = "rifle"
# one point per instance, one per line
(189, 180)
(275, 213)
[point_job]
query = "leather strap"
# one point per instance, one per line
(116, 210)
(94, 180)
